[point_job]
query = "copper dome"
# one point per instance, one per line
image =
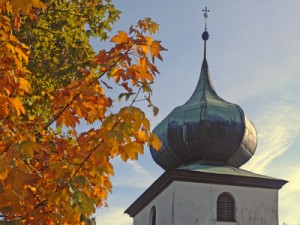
(206, 129)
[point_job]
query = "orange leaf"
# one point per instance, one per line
(38, 4)
(25, 6)
(97, 192)
(25, 85)
(121, 37)
(5, 23)
(125, 85)
(3, 169)
(23, 52)
(155, 142)
(17, 104)
(155, 49)
(17, 22)
(101, 58)
(117, 74)
(4, 102)
(152, 68)
(68, 118)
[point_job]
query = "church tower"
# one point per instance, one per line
(204, 142)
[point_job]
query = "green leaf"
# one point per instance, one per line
(155, 110)
(27, 148)
(86, 204)
(87, 220)
(15, 222)
(79, 180)
(127, 96)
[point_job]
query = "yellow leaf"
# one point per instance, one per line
(155, 142)
(154, 27)
(3, 170)
(149, 40)
(23, 52)
(8, 7)
(10, 47)
(25, 85)
(17, 104)
(5, 23)
(13, 39)
(7, 91)
(33, 189)
(25, 6)
(146, 124)
(121, 37)
(145, 49)
(143, 65)
(132, 149)
(38, 4)
(4, 102)
(143, 71)
(141, 136)
(27, 148)
(4, 174)
(97, 191)
(117, 74)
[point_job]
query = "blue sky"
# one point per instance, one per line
(254, 61)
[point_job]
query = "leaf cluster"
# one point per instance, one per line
(51, 81)
(59, 41)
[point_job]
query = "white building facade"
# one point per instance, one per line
(208, 196)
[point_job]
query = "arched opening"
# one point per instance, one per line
(225, 208)
(152, 219)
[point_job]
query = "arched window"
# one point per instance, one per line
(225, 208)
(152, 218)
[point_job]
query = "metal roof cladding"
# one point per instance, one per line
(206, 129)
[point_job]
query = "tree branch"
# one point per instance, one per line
(47, 30)
(56, 116)
(101, 141)
(41, 204)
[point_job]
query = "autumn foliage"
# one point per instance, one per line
(51, 81)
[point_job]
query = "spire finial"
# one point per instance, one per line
(205, 16)
(205, 34)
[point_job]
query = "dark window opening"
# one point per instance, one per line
(153, 216)
(225, 208)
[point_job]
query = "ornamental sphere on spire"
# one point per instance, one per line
(206, 129)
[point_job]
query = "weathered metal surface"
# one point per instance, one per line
(206, 129)
(225, 170)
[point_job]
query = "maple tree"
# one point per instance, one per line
(51, 81)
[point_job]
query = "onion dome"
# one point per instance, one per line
(205, 130)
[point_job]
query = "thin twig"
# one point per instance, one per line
(47, 30)
(33, 194)
(70, 13)
(41, 203)
(6, 148)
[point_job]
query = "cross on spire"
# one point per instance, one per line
(205, 16)
(205, 12)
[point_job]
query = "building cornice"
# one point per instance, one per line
(184, 175)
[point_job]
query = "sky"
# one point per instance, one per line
(254, 59)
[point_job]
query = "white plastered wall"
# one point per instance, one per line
(186, 203)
